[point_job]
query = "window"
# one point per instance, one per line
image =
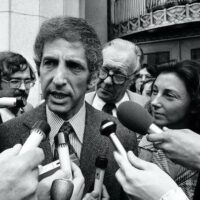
(157, 58)
(195, 54)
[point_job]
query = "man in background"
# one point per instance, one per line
(16, 79)
(121, 60)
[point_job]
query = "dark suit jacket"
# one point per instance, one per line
(17, 130)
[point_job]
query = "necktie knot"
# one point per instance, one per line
(108, 108)
(66, 128)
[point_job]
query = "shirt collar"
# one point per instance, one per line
(125, 98)
(99, 103)
(77, 122)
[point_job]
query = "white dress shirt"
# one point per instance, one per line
(78, 124)
(99, 103)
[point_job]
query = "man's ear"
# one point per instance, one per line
(92, 80)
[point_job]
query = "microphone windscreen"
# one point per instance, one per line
(134, 117)
(20, 103)
(61, 189)
(101, 162)
(107, 127)
(43, 126)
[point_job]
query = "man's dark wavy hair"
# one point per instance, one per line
(72, 30)
(11, 63)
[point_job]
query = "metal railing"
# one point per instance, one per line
(132, 16)
(124, 10)
(152, 5)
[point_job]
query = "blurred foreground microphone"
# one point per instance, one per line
(101, 164)
(7, 102)
(61, 189)
(136, 118)
(39, 132)
(108, 128)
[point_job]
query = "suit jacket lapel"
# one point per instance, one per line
(93, 145)
(38, 114)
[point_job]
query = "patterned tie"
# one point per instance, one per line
(67, 129)
(108, 108)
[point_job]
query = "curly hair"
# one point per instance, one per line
(70, 29)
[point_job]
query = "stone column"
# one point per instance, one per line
(20, 21)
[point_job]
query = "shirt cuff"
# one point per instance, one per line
(173, 194)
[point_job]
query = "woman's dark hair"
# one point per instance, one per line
(189, 72)
(143, 85)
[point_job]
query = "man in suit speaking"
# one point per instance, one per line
(68, 56)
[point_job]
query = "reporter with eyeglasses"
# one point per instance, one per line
(16, 79)
(121, 60)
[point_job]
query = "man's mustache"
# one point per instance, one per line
(21, 93)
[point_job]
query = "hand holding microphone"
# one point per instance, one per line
(64, 189)
(136, 118)
(38, 133)
(94, 196)
(101, 164)
(18, 171)
(144, 180)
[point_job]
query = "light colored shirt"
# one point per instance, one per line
(6, 114)
(99, 103)
(174, 194)
(78, 124)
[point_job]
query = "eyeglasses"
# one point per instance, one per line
(117, 79)
(16, 83)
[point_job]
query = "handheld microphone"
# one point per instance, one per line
(136, 118)
(64, 156)
(108, 128)
(101, 164)
(39, 132)
(7, 102)
(61, 189)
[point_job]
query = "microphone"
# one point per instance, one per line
(108, 128)
(136, 118)
(101, 164)
(64, 156)
(39, 132)
(61, 189)
(11, 102)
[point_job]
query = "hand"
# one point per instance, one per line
(19, 173)
(95, 196)
(44, 187)
(43, 191)
(182, 146)
(78, 181)
(142, 179)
